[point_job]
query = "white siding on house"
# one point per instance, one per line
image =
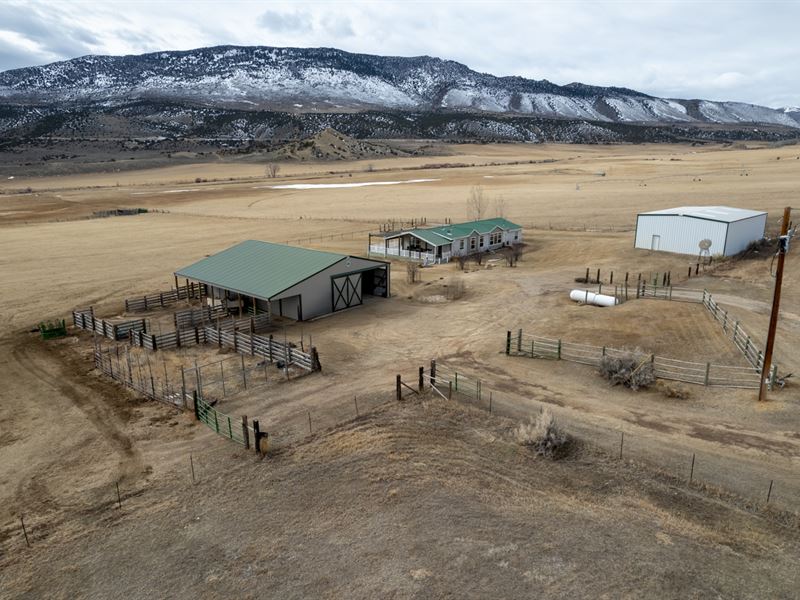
(679, 234)
(512, 236)
(741, 233)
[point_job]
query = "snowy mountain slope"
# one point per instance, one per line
(325, 79)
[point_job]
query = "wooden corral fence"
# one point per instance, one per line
(195, 317)
(265, 347)
(732, 329)
(251, 344)
(709, 374)
(172, 339)
(159, 299)
(84, 319)
(731, 326)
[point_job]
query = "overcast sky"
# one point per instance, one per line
(746, 51)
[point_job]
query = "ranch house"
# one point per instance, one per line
(275, 279)
(699, 230)
(440, 244)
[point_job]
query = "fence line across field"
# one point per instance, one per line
(709, 374)
(478, 392)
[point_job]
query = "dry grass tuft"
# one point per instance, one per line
(673, 390)
(544, 435)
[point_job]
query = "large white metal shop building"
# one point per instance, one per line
(689, 229)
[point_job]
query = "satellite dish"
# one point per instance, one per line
(704, 249)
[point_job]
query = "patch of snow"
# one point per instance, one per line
(321, 186)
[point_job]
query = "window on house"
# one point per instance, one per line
(516, 235)
(496, 238)
(481, 241)
(472, 243)
(461, 245)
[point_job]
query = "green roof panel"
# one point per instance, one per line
(430, 236)
(459, 230)
(444, 234)
(259, 269)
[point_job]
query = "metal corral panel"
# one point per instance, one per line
(742, 233)
(680, 234)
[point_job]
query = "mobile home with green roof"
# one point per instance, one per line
(440, 244)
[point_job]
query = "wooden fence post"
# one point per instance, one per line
(708, 369)
(519, 340)
(256, 436)
(433, 373)
(559, 349)
(421, 379)
(245, 434)
(196, 408)
(399, 393)
(508, 342)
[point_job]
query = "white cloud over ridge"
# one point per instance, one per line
(743, 51)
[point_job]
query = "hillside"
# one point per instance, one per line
(329, 144)
(313, 79)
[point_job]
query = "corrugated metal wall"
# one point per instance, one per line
(741, 233)
(679, 234)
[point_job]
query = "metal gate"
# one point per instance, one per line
(346, 291)
(219, 422)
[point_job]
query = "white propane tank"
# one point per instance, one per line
(588, 297)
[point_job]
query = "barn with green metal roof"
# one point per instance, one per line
(440, 244)
(299, 283)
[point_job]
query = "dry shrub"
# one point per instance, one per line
(543, 435)
(673, 390)
(455, 288)
(631, 369)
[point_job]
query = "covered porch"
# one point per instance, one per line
(428, 249)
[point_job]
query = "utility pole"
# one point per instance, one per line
(783, 247)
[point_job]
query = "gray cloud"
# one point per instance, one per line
(51, 35)
(745, 51)
(291, 22)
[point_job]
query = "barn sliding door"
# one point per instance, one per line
(346, 291)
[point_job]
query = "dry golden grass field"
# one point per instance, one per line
(425, 498)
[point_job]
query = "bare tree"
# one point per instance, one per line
(272, 170)
(508, 254)
(500, 206)
(462, 261)
(412, 272)
(516, 252)
(476, 204)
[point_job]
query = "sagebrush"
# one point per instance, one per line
(543, 435)
(634, 370)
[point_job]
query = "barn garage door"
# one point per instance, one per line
(346, 291)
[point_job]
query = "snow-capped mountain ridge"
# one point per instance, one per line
(325, 79)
